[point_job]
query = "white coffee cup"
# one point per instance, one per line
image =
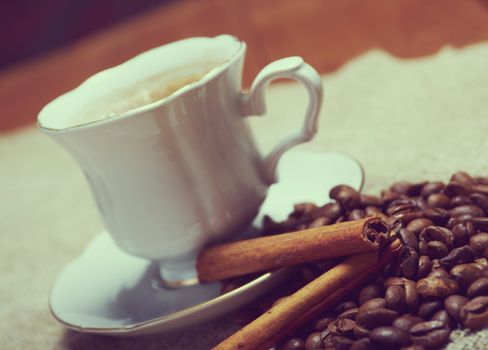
(172, 175)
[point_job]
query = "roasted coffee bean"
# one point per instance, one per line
(438, 233)
(474, 314)
(479, 241)
(330, 210)
(293, 344)
(408, 238)
(482, 189)
(462, 232)
(480, 223)
(370, 292)
(401, 187)
(377, 317)
(439, 200)
(428, 308)
(480, 200)
(465, 274)
(341, 343)
(414, 347)
(373, 201)
(350, 314)
(438, 216)
(417, 225)
(319, 222)
(431, 334)
(407, 321)
(453, 305)
(301, 209)
(432, 187)
(395, 298)
(461, 255)
(322, 323)
(360, 331)
(373, 211)
(472, 210)
(390, 336)
(432, 286)
(362, 344)
(436, 249)
(314, 341)
(411, 296)
(478, 288)
(405, 217)
(344, 306)
(421, 203)
(460, 200)
(342, 327)
(356, 214)
(390, 196)
(455, 189)
(374, 303)
(443, 316)
(395, 281)
(463, 178)
(346, 196)
(425, 266)
(395, 208)
(482, 263)
(408, 262)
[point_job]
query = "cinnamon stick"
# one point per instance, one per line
(309, 301)
(271, 252)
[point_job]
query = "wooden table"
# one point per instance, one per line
(326, 33)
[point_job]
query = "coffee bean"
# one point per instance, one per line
(421, 203)
(341, 343)
(370, 292)
(409, 262)
(462, 232)
(373, 211)
(436, 287)
(480, 200)
(463, 178)
(390, 336)
(481, 188)
(401, 187)
(405, 322)
(395, 281)
(438, 233)
(344, 306)
(408, 238)
(374, 303)
(425, 266)
(431, 334)
(342, 327)
(417, 225)
(389, 196)
(465, 274)
(350, 314)
(301, 209)
(411, 295)
(438, 271)
(460, 200)
(414, 347)
(479, 241)
(293, 344)
(443, 316)
(438, 216)
(322, 323)
(455, 189)
(432, 187)
(474, 314)
(478, 288)
(356, 214)
(453, 305)
(360, 331)
(472, 210)
(428, 308)
(319, 222)
(346, 196)
(461, 255)
(439, 200)
(436, 249)
(395, 298)
(314, 341)
(372, 201)
(362, 344)
(377, 317)
(330, 210)
(480, 223)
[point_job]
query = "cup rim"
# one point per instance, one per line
(214, 72)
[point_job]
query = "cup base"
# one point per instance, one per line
(175, 274)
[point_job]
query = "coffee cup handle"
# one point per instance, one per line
(254, 104)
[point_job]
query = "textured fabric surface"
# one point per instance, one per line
(403, 119)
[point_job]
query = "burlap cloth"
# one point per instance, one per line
(403, 119)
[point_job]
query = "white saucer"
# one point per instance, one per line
(107, 291)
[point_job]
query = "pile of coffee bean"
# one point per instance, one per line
(438, 283)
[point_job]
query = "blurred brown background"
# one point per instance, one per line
(51, 46)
